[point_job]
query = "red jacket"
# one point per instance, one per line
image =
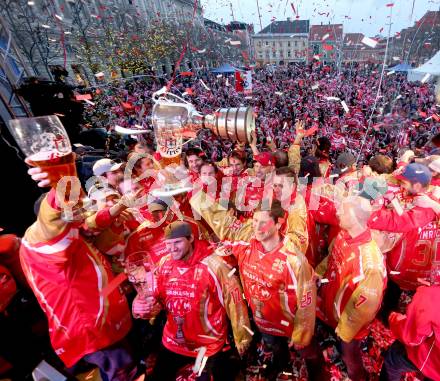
(279, 288)
(199, 296)
(151, 239)
(416, 251)
(69, 276)
(356, 278)
(419, 330)
(322, 225)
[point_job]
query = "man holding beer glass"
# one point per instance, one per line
(68, 275)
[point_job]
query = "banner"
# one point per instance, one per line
(248, 82)
(238, 82)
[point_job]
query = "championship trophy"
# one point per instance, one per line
(174, 120)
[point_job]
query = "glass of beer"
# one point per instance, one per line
(46, 144)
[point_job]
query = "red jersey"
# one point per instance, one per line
(280, 290)
(417, 250)
(68, 276)
(419, 330)
(279, 285)
(150, 239)
(199, 296)
(356, 278)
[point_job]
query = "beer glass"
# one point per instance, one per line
(45, 143)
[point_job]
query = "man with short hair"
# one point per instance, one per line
(355, 281)
(200, 294)
(278, 283)
(345, 167)
(70, 277)
(254, 190)
(414, 253)
(110, 170)
(381, 164)
(193, 162)
(149, 236)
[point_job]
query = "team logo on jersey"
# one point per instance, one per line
(278, 265)
(182, 270)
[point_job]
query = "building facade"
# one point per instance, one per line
(281, 42)
(65, 33)
(353, 50)
(325, 43)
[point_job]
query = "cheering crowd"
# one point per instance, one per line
(310, 253)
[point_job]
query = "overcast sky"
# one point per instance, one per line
(365, 16)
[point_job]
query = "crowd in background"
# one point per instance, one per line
(306, 254)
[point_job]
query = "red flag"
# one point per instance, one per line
(83, 97)
(238, 82)
(127, 106)
(186, 73)
(327, 47)
(390, 5)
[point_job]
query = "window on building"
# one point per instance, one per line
(304, 44)
(267, 43)
(273, 43)
(280, 43)
(288, 54)
(296, 44)
(281, 53)
(288, 44)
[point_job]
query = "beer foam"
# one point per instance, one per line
(47, 155)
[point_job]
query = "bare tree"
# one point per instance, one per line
(35, 31)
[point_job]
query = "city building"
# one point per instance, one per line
(418, 43)
(325, 42)
(72, 34)
(281, 42)
(353, 50)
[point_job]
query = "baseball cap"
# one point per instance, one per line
(178, 229)
(264, 158)
(105, 165)
(416, 173)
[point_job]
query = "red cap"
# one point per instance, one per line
(264, 158)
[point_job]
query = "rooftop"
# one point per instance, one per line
(287, 27)
(318, 32)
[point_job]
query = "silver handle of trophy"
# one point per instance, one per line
(236, 124)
